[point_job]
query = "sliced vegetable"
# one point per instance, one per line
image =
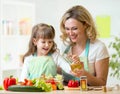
(60, 86)
(54, 87)
(1, 87)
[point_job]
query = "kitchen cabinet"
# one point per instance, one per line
(16, 21)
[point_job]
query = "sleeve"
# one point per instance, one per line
(102, 52)
(61, 62)
(24, 72)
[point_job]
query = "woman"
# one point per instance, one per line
(79, 32)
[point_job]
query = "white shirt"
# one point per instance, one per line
(58, 60)
(97, 51)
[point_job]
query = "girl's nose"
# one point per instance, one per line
(46, 44)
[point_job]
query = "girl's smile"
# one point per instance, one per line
(44, 46)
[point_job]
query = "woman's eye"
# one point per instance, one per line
(66, 28)
(74, 28)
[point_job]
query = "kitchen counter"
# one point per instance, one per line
(64, 92)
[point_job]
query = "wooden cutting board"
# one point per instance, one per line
(71, 88)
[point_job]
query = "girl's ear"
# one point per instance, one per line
(34, 41)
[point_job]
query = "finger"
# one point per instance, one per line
(76, 73)
(74, 56)
(73, 73)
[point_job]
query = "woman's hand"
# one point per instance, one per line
(73, 58)
(78, 72)
(77, 66)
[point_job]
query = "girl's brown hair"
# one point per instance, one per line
(44, 31)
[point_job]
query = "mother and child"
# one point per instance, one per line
(80, 45)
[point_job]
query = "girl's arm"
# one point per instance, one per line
(24, 72)
(61, 63)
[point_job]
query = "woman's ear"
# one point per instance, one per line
(34, 41)
(86, 25)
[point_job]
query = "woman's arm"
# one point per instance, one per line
(101, 73)
(101, 64)
(101, 69)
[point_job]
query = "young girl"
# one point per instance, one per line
(42, 56)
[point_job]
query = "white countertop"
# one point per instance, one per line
(64, 92)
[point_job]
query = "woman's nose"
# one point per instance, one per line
(70, 32)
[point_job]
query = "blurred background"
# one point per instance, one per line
(18, 16)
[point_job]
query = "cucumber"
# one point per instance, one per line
(20, 88)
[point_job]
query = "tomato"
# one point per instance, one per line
(28, 82)
(73, 83)
(25, 80)
(8, 81)
(52, 81)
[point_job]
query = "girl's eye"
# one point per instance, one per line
(50, 41)
(43, 41)
(47, 42)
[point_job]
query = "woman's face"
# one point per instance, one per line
(75, 30)
(43, 46)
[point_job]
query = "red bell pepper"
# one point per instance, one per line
(73, 83)
(8, 81)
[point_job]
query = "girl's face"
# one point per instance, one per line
(75, 30)
(43, 46)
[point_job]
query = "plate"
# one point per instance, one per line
(22, 88)
(71, 88)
